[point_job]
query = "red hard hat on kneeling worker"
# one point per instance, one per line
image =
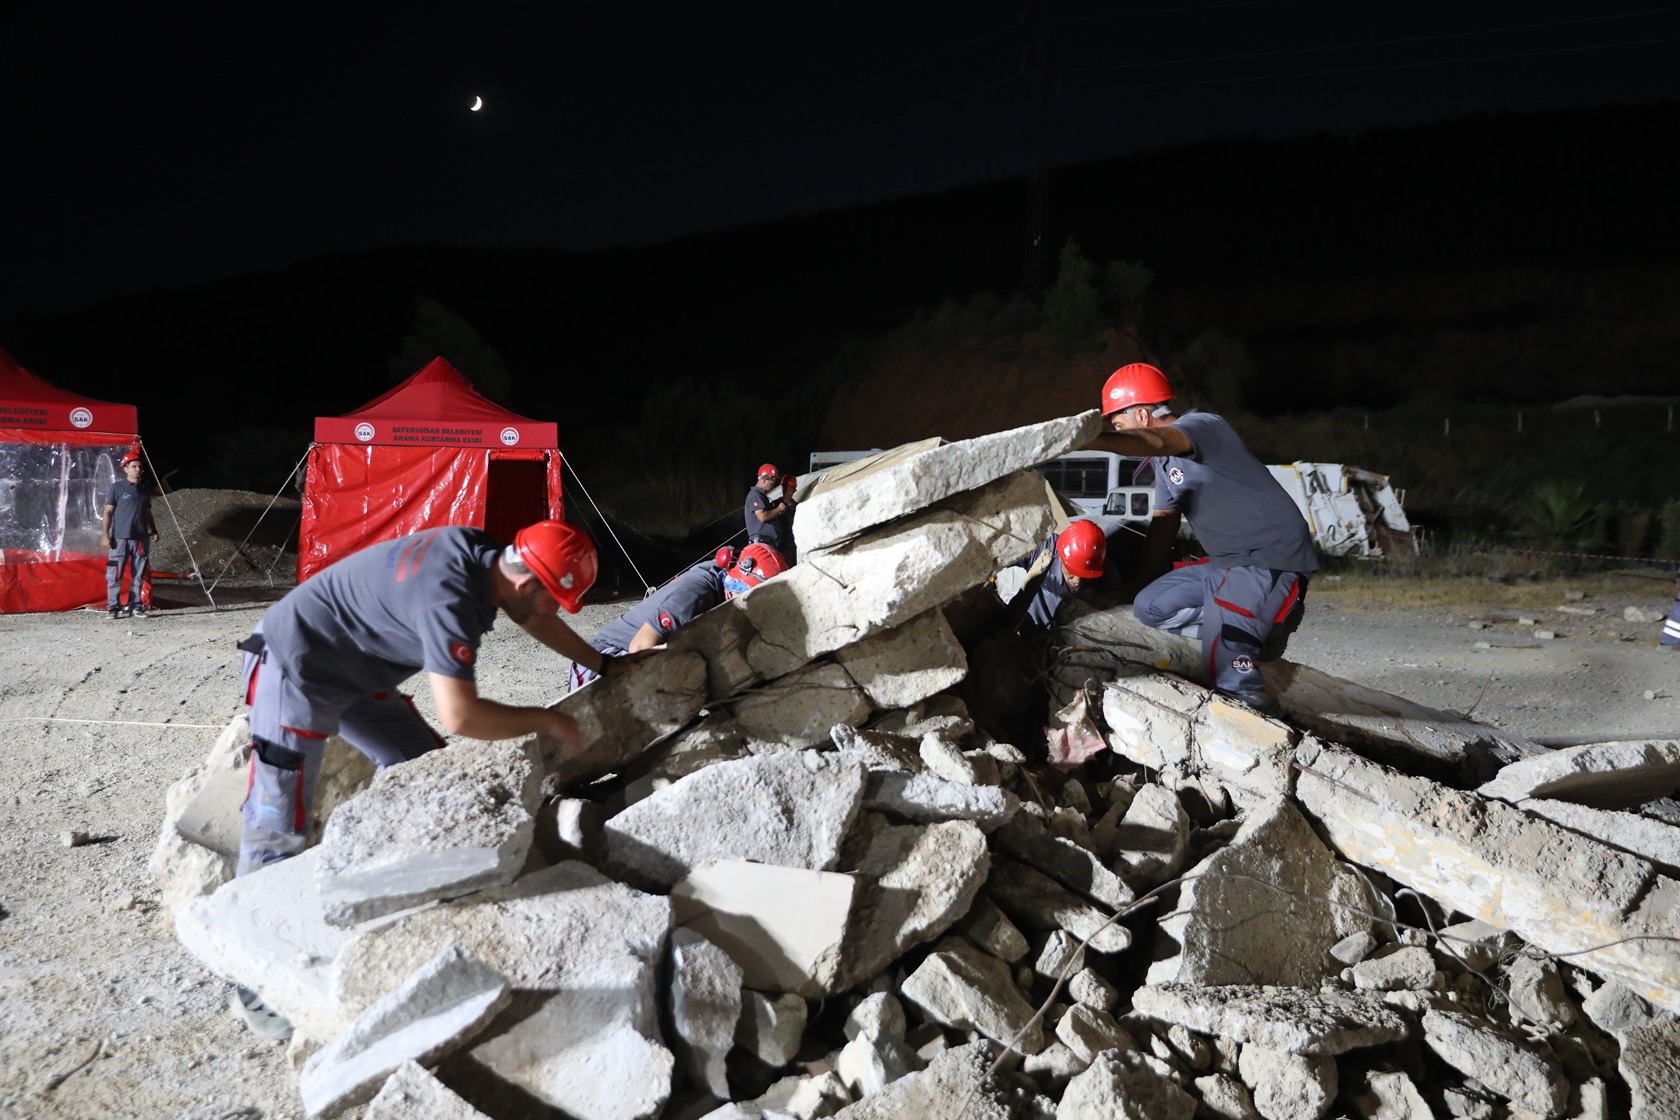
(1083, 550)
(1132, 385)
(757, 563)
(561, 557)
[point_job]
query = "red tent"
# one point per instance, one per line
(58, 458)
(430, 452)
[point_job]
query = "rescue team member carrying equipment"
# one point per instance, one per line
(327, 660)
(690, 594)
(1064, 561)
(1249, 597)
(770, 522)
(128, 531)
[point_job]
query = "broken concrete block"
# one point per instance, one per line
(435, 1011)
(1620, 775)
(1125, 1085)
(1088, 1032)
(954, 1080)
(1477, 944)
(445, 824)
(962, 987)
(878, 1014)
(1248, 753)
(1648, 839)
(582, 953)
(265, 930)
(1516, 1070)
(989, 928)
(1615, 1010)
(412, 1091)
(783, 925)
(798, 710)
(1090, 989)
(1353, 948)
(1650, 1064)
(1053, 1067)
(916, 477)
(878, 749)
(945, 761)
(1409, 968)
(1149, 716)
(570, 828)
(1287, 1086)
(870, 1062)
(791, 810)
(1535, 991)
(714, 738)
(1061, 954)
(923, 797)
(621, 715)
(771, 1029)
(705, 1008)
(1223, 1097)
(910, 662)
(889, 576)
(1292, 1020)
(1152, 838)
(1559, 891)
(1064, 860)
(1039, 902)
(1231, 927)
(915, 882)
(1388, 1095)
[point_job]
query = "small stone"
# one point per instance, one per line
(72, 838)
(1354, 948)
(1478, 624)
(1545, 635)
(1527, 621)
(1482, 645)
(1574, 596)
(1649, 694)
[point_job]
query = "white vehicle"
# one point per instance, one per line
(1351, 512)
(1103, 482)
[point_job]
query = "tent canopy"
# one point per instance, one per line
(430, 452)
(29, 404)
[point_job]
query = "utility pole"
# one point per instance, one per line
(1038, 183)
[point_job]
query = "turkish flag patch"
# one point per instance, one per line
(461, 652)
(666, 622)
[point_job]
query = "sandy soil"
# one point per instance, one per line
(103, 1014)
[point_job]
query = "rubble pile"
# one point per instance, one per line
(795, 871)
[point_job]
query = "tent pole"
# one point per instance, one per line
(259, 521)
(605, 522)
(197, 574)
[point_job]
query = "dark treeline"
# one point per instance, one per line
(223, 371)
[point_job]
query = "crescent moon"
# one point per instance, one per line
(478, 103)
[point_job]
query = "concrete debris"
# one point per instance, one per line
(856, 785)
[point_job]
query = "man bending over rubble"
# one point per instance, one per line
(690, 594)
(1248, 598)
(327, 660)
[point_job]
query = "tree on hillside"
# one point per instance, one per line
(1123, 289)
(440, 333)
(1072, 306)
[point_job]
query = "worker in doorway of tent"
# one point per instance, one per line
(1248, 598)
(771, 523)
(691, 593)
(1670, 637)
(328, 659)
(128, 531)
(1060, 569)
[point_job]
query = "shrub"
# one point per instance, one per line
(1072, 306)
(1554, 515)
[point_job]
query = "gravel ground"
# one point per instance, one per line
(103, 1014)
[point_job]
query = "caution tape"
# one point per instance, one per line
(1598, 556)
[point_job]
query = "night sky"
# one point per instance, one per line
(148, 147)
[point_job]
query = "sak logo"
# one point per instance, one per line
(364, 431)
(461, 652)
(510, 436)
(1177, 476)
(81, 417)
(1242, 665)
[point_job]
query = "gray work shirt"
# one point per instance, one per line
(376, 618)
(772, 533)
(131, 511)
(690, 594)
(1053, 591)
(1239, 512)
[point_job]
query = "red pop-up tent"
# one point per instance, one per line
(430, 452)
(58, 458)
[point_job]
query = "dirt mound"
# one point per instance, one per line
(215, 524)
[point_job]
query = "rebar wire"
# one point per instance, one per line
(607, 524)
(197, 574)
(227, 563)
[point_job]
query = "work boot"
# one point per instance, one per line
(116, 613)
(140, 611)
(259, 1017)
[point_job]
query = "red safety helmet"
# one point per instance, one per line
(768, 470)
(757, 563)
(561, 557)
(1083, 548)
(1130, 386)
(133, 456)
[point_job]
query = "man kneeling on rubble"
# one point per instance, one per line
(688, 595)
(327, 660)
(1248, 598)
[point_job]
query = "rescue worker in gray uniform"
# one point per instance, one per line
(1060, 566)
(129, 531)
(770, 523)
(686, 597)
(1249, 597)
(327, 660)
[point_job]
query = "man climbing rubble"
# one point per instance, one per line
(688, 595)
(1059, 570)
(1248, 598)
(771, 523)
(327, 660)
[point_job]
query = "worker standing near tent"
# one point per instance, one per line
(128, 531)
(1058, 568)
(1249, 597)
(770, 523)
(688, 595)
(328, 658)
